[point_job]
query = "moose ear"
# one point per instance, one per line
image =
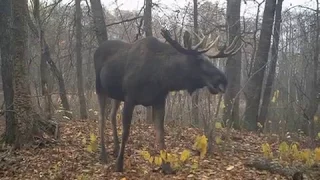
(187, 40)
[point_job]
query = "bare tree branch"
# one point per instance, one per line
(123, 21)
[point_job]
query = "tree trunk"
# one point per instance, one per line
(6, 70)
(61, 84)
(195, 95)
(21, 100)
(98, 20)
(314, 94)
(101, 32)
(233, 67)
(53, 68)
(44, 73)
(148, 18)
(273, 64)
(255, 84)
(148, 30)
(82, 99)
(30, 123)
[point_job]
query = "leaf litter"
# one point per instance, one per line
(70, 158)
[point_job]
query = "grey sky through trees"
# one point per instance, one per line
(137, 4)
(248, 9)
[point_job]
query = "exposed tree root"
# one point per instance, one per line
(44, 131)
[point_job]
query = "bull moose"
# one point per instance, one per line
(144, 72)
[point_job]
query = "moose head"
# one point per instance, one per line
(198, 57)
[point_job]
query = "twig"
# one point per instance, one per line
(123, 21)
(139, 29)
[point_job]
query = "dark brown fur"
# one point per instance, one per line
(144, 73)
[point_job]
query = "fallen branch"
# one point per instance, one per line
(296, 171)
(271, 166)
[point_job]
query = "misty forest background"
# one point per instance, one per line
(47, 71)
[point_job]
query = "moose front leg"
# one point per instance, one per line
(126, 123)
(115, 107)
(158, 119)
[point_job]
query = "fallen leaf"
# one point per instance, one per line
(229, 168)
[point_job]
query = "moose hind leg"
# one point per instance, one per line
(102, 124)
(115, 107)
(126, 123)
(158, 119)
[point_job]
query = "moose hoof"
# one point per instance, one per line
(103, 159)
(166, 169)
(119, 166)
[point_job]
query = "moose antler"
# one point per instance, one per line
(166, 34)
(226, 51)
(202, 40)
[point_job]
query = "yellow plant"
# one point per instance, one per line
(174, 159)
(166, 157)
(93, 144)
(306, 156)
(151, 159)
(284, 150)
(266, 149)
(317, 154)
(195, 164)
(294, 151)
(146, 155)
(201, 145)
(184, 155)
(218, 125)
(218, 140)
(158, 160)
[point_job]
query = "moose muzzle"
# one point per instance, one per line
(221, 88)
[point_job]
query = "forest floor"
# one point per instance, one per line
(68, 157)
